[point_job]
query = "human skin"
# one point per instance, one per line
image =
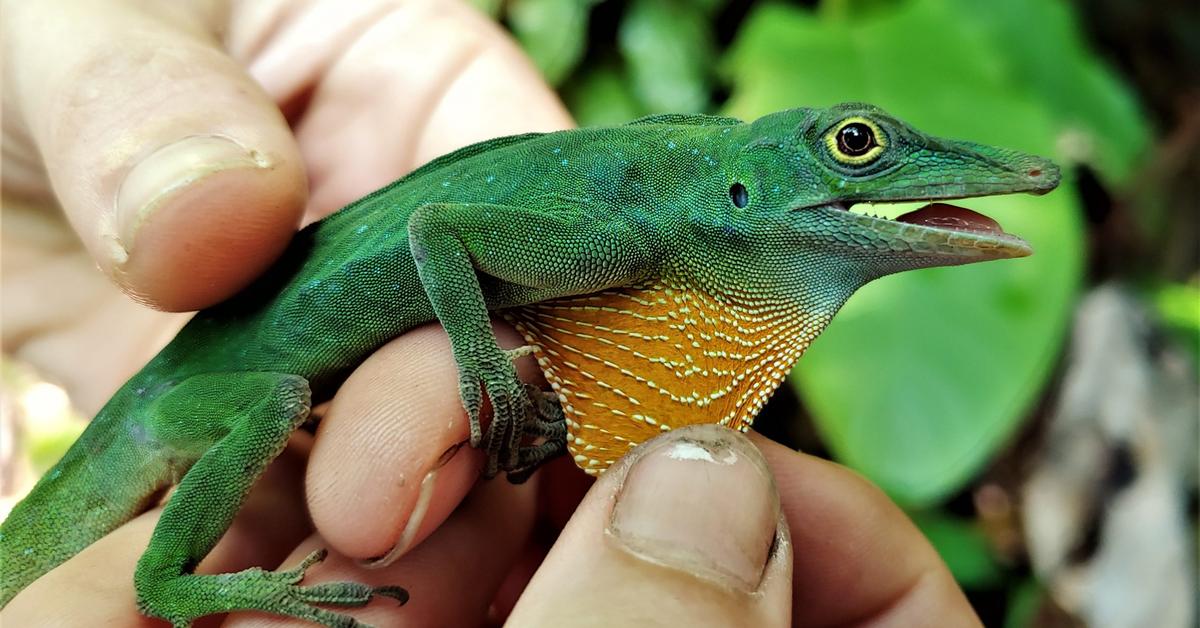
(100, 128)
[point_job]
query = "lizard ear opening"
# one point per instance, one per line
(739, 195)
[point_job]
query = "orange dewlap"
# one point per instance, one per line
(630, 363)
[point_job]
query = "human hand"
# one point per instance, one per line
(690, 529)
(157, 128)
(699, 527)
(377, 478)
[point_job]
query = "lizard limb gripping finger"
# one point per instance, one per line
(247, 418)
(545, 404)
(547, 424)
(520, 414)
(532, 457)
(285, 595)
(471, 393)
(455, 244)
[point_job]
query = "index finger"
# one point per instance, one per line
(859, 560)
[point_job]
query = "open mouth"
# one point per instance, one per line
(941, 229)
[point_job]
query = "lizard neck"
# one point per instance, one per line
(629, 363)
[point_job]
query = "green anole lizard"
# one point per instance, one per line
(663, 272)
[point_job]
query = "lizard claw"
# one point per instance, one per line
(520, 412)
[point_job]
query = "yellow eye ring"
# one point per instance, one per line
(856, 141)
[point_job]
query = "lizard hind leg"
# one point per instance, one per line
(237, 423)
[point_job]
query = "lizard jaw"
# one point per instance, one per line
(946, 231)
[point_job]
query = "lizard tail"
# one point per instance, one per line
(110, 475)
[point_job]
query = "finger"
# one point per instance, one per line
(179, 174)
(98, 582)
(390, 449)
(451, 577)
(393, 84)
(686, 531)
(859, 559)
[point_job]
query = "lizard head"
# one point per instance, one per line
(809, 167)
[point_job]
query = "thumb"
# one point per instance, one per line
(686, 531)
(178, 173)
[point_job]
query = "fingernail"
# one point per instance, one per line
(416, 517)
(701, 501)
(166, 171)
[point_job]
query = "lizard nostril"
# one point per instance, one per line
(1036, 172)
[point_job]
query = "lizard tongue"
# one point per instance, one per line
(946, 216)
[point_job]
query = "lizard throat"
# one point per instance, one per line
(630, 363)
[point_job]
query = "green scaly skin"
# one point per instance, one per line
(499, 224)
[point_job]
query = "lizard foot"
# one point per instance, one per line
(511, 410)
(534, 456)
(549, 421)
(186, 597)
(547, 429)
(527, 425)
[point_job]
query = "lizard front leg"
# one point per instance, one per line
(525, 255)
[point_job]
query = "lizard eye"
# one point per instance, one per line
(856, 141)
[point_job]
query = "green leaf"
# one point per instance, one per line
(964, 548)
(601, 96)
(552, 32)
(1178, 307)
(925, 52)
(669, 50)
(924, 375)
(1024, 602)
(1100, 118)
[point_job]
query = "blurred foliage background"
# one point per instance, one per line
(1037, 417)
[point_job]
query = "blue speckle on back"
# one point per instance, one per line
(564, 162)
(671, 145)
(361, 229)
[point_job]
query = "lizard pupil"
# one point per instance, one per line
(739, 196)
(855, 139)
